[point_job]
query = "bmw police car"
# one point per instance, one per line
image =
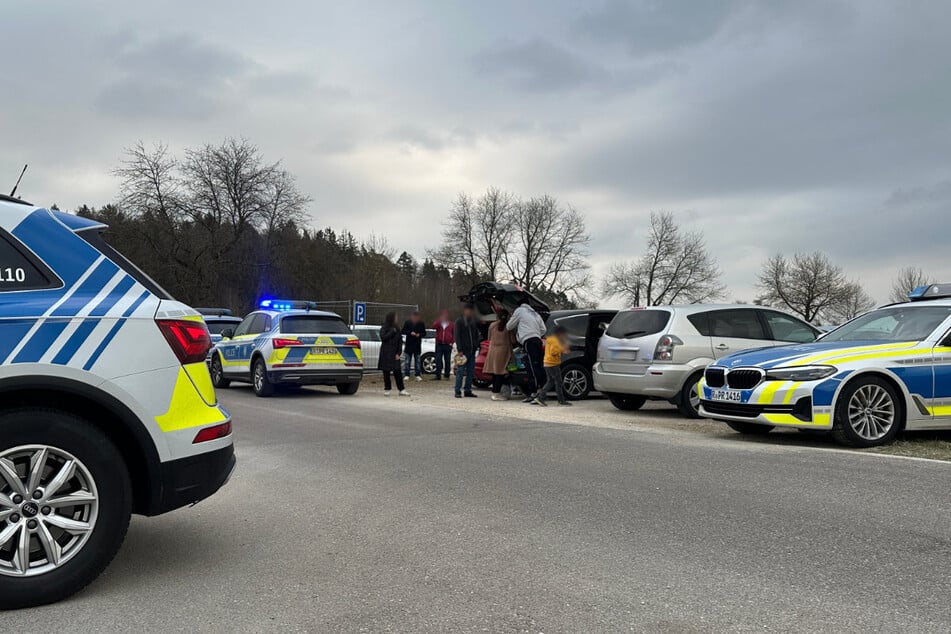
(887, 370)
(106, 405)
(288, 343)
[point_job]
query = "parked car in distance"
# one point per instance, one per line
(218, 320)
(585, 327)
(369, 337)
(661, 352)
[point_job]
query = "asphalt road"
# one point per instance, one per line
(371, 514)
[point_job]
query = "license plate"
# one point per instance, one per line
(323, 350)
(726, 395)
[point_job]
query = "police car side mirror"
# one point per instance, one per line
(227, 333)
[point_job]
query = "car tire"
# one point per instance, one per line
(627, 402)
(97, 480)
(218, 374)
(751, 429)
(428, 363)
(482, 384)
(868, 413)
(689, 402)
(576, 380)
(261, 385)
(348, 388)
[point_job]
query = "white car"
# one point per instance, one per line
(288, 343)
(106, 405)
(369, 337)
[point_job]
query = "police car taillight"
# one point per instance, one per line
(189, 340)
(284, 343)
(352, 342)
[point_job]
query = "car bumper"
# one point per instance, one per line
(776, 403)
(189, 480)
(316, 377)
(656, 381)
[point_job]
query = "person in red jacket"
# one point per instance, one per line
(444, 342)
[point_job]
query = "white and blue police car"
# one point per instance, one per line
(106, 404)
(287, 342)
(884, 371)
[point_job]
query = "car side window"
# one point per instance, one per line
(19, 271)
(577, 325)
(701, 322)
(245, 326)
(258, 325)
(738, 323)
(786, 328)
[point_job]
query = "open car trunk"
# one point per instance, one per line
(488, 298)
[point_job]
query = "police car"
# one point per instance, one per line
(288, 343)
(884, 371)
(106, 405)
(218, 320)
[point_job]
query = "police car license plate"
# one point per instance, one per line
(323, 350)
(726, 395)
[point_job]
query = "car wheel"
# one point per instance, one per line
(627, 402)
(481, 383)
(429, 363)
(348, 388)
(218, 374)
(689, 402)
(261, 385)
(577, 382)
(753, 429)
(65, 503)
(868, 413)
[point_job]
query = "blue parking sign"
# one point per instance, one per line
(359, 312)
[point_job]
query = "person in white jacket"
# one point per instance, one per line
(529, 329)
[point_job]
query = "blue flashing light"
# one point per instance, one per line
(286, 304)
(919, 291)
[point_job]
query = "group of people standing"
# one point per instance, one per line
(458, 343)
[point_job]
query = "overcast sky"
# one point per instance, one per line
(771, 126)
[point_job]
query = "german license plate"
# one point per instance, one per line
(323, 350)
(726, 395)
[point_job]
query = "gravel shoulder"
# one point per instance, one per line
(655, 417)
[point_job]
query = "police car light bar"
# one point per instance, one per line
(930, 291)
(287, 304)
(214, 312)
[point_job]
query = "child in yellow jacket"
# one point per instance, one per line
(555, 345)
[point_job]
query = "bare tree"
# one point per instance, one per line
(811, 286)
(907, 280)
(676, 267)
(550, 248)
(458, 250)
(854, 302)
(494, 216)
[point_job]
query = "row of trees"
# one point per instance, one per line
(220, 225)
(676, 267)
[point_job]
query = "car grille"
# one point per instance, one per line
(714, 377)
(744, 379)
(801, 410)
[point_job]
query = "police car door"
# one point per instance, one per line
(236, 352)
(941, 401)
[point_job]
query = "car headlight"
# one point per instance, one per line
(801, 373)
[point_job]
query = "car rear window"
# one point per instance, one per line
(20, 270)
(217, 327)
(313, 325)
(638, 323)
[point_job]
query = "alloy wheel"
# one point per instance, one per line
(575, 382)
(871, 412)
(48, 509)
(258, 377)
(429, 364)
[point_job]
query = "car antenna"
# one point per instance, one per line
(14, 191)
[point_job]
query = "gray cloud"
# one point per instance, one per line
(538, 65)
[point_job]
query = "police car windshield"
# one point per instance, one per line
(313, 325)
(901, 323)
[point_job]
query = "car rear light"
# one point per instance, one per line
(284, 343)
(189, 340)
(352, 342)
(213, 433)
(665, 348)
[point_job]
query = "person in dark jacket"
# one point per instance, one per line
(390, 350)
(414, 330)
(444, 343)
(467, 336)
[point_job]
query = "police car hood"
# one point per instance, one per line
(825, 352)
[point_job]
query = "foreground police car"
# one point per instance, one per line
(287, 343)
(887, 370)
(106, 405)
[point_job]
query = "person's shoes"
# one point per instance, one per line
(537, 401)
(528, 398)
(470, 395)
(404, 393)
(498, 397)
(419, 378)
(566, 404)
(386, 392)
(458, 395)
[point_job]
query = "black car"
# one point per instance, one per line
(585, 327)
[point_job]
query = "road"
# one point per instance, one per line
(371, 514)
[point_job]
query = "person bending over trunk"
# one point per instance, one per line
(529, 329)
